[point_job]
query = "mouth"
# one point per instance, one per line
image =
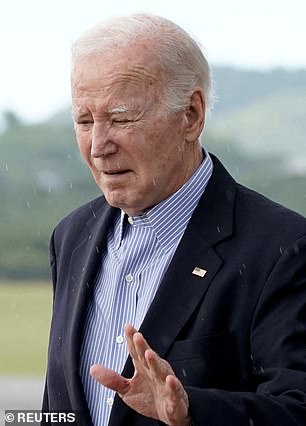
(116, 172)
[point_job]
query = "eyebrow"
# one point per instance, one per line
(77, 112)
(119, 109)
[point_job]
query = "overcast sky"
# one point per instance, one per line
(35, 39)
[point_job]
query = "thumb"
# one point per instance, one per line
(109, 378)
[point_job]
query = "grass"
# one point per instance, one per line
(25, 314)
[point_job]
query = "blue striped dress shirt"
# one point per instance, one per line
(138, 254)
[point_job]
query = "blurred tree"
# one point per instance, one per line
(11, 120)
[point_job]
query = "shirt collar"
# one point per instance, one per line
(170, 217)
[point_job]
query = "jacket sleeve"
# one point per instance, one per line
(278, 354)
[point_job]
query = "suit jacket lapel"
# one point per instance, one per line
(85, 261)
(181, 291)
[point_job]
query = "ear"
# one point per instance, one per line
(195, 114)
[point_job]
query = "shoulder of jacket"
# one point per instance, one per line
(273, 216)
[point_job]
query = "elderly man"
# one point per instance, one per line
(179, 295)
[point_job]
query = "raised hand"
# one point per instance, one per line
(154, 390)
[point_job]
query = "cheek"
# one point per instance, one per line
(153, 157)
(154, 171)
(84, 144)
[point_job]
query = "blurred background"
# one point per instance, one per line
(258, 129)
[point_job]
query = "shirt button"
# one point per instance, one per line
(110, 401)
(129, 278)
(119, 340)
(130, 220)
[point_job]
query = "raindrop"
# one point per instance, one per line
(154, 182)
(184, 372)
(28, 204)
(70, 184)
(251, 422)
(6, 167)
(281, 250)
(218, 229)
(97, 249)
(296, 249)
(68, 156)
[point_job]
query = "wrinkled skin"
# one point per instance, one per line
(138, 152)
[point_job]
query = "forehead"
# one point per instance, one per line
(123, 71)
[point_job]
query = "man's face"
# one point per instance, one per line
(135, 148)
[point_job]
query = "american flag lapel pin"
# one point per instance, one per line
(199, 272)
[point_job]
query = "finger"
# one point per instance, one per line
(110, 379)
(129, 331)
(141, 346)
(159, 367)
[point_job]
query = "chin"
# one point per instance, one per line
(116, 200)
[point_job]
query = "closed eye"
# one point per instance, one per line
(84, 124)
(121, 120)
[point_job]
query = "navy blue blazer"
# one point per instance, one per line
(236, 337)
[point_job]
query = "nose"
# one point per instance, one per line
(102, 144)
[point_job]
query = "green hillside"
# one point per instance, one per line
(238, 88)
(273, 124)
(42, 178)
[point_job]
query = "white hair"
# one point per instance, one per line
(180, 58)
